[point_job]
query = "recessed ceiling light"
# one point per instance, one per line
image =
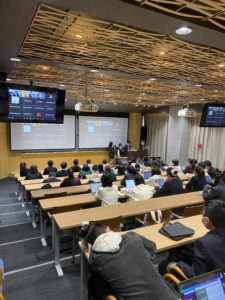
(45, 68)
(106, 90)
(202, 99)
(8, 79)
(198, 85)
(162, 53)
(152, 78)
(15, 59)
(115, 103)
(94, 71)
(183, 30)
(143, 94)
(78, 36)
(221, 65)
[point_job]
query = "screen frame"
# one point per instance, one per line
(205, 113)
(60, 102)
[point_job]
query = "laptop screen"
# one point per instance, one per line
(207, 179)
(94, 187)
(160, 182)
(209, 286)
(147, 175)
(130, 184)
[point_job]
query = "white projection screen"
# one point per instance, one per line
(97, 132)
(42, 136)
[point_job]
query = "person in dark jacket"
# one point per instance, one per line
(50, 168)
(209, 251)
(111, 151)
(23, 169)
(75, 167)
(197, 182)
(52, 178)
(217, 190)
(126, 263)
(70, 180)
(84, 171)
(190, 166)
(209, 168)
(33, 173)
(131, 172)
(108, 170)
(62, 172)
(173, 185)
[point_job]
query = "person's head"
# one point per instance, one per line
(88, 161)
(75, 162)
(120, 146)
(51, 175)
(86, 168)
(156, 172)
(217, 178)
(174, 163)
(106, 180)
(104, 161)
(95, 169)
(131, 170)
(50, 163)
(33, 169)
(208, 165)
(70, 172)
(121, 170)
(63, 165)
(107, 169)
(171, 172)
(201, 164)
(128, 142)
(191, 162)
(92, 231)
(133, 160)
(145, 158)
(137, 167)
(155, 165)
(138, 179)
(100, 168)
(23, 166)
(198, 171)
(214, 214)
(142, 142)
(110, 144)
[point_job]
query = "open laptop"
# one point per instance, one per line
(94, 187)
(130, 184)
(209, 286)
(147, 175)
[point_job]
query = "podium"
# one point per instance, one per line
(136, 154)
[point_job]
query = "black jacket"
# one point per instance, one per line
(217, 192)
(61, 173)
(127, 176)
(33, 175)
(24, 172)
(49, 169)
(51, 180)
(130, 272)
(76, 168)
(196, 183)
(171, 187)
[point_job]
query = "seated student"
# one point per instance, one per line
(100, 169)
(209, 168)
(196, 182)
(33, 173)
(129, 175)
(107, 193)
(62, 172)
(120, 151)
(141, 191)
(155, 165)
(173, 185)
(23, 169)
(76, 168)
(209, 250)
(133, 162)
(84, 171)
(104, 163)
(190, 166)
(121, 170)
(146, 162)
(95, 172)
(50, 168)
(70, 180)
(217, 190)
(52, 178)
(175, 164)
(108, 170)
(123, 265)
(156, 174)
(88, 162)
(203, 166)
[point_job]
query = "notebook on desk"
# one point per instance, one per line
(94, 187)
(209, 286)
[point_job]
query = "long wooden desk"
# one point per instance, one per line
(75, 218)
(151, 233)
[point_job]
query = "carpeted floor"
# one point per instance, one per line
(29, 268)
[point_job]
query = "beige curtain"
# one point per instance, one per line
(157, 135)
(212, 140)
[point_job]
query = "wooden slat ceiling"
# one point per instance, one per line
(72, 38)
(109, 88)
(206, 11)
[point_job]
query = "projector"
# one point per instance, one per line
(187, 112)
(86, 106)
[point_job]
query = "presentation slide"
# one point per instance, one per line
(41, 136)
(97, 132)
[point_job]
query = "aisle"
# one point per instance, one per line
(29, 268)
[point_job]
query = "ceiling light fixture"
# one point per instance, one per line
(221, 65)
(15, 59)
(94, 71)
(45, 68)
(162, 53)
(143, 94)
(115, 103)
(8, 79)
(79, 36)
(202, 99)
(152, 78)
(198, 85)
(183, 30)
(106, 90)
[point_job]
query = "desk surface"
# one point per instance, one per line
(75, 218)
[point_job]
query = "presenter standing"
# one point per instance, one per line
(111, 152)
(127, 147)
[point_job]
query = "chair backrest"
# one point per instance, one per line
(113, 223)
(193, 210)
(58, 210)
(165, 217)
(62, 194)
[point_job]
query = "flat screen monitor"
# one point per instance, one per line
(21, 103)
(213, 115)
